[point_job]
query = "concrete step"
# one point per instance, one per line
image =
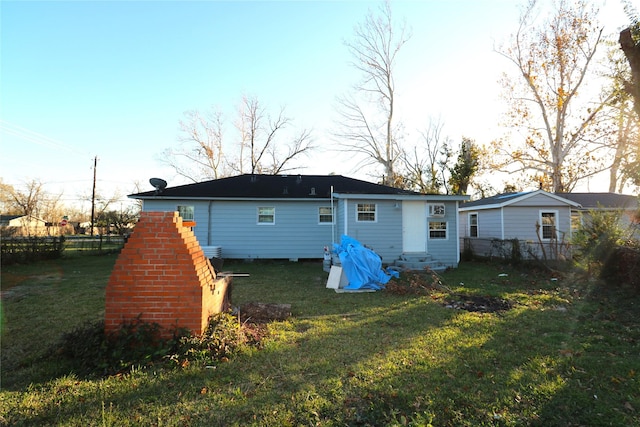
(418, 262)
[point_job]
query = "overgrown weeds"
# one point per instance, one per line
(138, 344)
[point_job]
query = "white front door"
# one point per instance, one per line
(414, 227)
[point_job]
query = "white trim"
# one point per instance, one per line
(457, 218)
(333, 219)
(556, 220)
(446, 231)
(258, 215)
(469, 224)
(346, 217)
(375, 213)
(516, 199)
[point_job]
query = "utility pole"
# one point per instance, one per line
(93, 194)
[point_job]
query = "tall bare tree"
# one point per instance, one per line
(200, 153)
(260, 147)
(367, 124)
(554, 120)
(425, 167)
(264, 144)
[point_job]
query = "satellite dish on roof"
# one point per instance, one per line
(158, 183)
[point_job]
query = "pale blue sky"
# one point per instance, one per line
(113, 79)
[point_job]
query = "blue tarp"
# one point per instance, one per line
(362, 266)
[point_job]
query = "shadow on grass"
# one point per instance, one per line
(368, 359)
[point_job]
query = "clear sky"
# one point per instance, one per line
(112, 79)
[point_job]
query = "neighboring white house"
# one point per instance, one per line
(540, 221)
(296, 216)
(23, 225)
(626, 204)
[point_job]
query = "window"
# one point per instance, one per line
(266, 215)
(186, 212)
(366, 212)
(548, 222)
(437, 230)
(325, 215)
(436, 210)
(473, 225)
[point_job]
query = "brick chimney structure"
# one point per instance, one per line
(163, 276)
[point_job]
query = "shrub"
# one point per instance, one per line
(597, 237)
(224, 336)
(622, 267)
(138, 343)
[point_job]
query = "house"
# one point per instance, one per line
(295, 216)
(626, 204)
(23, 225)
(540, 221)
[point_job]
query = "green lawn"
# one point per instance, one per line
(566, 354)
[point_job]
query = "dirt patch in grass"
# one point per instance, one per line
(484, 304)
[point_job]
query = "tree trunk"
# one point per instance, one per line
(632, 52)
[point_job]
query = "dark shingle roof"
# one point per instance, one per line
(602, 200)
(493, 200)
(273, 186)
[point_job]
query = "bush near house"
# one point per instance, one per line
(622, 267)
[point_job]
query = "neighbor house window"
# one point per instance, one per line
(437, 230)
(186, 212)
(325, 215)
(266, 215)
(436, 209)
(473, 225)
(366, 212)
(548, 223)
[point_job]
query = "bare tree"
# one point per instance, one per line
(371, 130)
(263, 144)
(28, 202)
(425, 168)
(260, 140)
(554, 120)
(200, 154)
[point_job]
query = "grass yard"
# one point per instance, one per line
(566, 354)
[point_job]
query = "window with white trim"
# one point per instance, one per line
(186, 212)
(548, 221)
(473, 224)
(366, 212)
(436, 209)
(325, 215)
(266, 215)
(437, 229)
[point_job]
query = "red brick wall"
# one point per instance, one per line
(163, 275)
